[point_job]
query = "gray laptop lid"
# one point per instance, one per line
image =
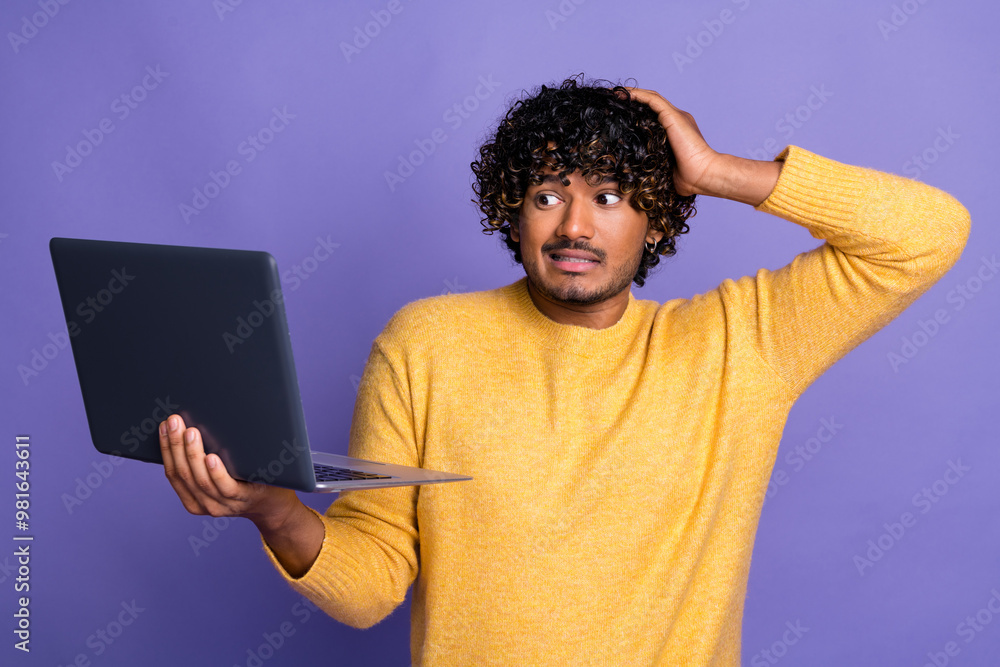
(159, 329)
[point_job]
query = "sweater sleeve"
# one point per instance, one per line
(369, 554)
(888, 240)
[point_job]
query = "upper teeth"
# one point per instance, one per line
(573, 259)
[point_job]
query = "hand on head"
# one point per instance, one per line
(696, 160)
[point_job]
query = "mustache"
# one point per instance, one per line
(569, 245)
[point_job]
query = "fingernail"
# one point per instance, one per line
(172, 422)
(163, 428)
(211, 462)
(189, 436)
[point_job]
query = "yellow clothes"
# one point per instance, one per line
(619, 473)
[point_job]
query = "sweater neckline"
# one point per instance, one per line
(579, 339)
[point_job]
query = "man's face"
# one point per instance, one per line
(580, 244)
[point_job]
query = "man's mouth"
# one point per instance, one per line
(562, 258)
(574, 261)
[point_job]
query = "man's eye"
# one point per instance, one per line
(607, 198)
(546, 200)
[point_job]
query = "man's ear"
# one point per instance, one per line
(654, 235)
(515, 231)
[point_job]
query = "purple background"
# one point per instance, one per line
(890, 89)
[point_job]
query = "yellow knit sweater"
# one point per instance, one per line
(619, 473)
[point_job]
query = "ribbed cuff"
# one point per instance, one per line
(812, 188)
(338, 583)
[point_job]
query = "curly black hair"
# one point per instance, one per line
(591, 127)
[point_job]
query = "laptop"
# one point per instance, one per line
(201, 332)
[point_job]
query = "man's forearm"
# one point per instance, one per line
(295, 539)
(743, 180)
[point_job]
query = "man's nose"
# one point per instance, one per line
(577, 220)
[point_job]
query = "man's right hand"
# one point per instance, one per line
(700, 169)
(294, 533)
(203, 484)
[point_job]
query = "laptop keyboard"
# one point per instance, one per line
(325, 473)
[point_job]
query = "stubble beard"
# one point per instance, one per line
(573, 292)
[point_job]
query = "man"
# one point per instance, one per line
(620, 448)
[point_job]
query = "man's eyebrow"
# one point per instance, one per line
(553, 178)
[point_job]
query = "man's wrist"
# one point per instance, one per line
(295, 537)
(743, 180)
(277, 514)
